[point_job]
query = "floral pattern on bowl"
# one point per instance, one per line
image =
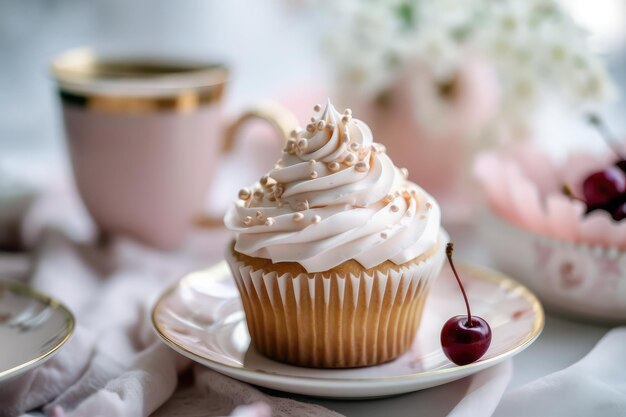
(579, 280)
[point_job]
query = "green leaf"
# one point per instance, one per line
(406, 13)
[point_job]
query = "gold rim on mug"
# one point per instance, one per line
(134, 85)
(70, 322)
(481, 272)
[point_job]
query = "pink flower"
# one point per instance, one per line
(527, 191)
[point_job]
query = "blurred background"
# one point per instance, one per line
(273, 47)
(443, 79)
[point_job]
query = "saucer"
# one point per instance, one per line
(201, 317)
(33, 327)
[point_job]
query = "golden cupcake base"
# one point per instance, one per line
(342, 318)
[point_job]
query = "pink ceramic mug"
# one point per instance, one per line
(145, 138)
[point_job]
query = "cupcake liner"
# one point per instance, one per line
(329, 320)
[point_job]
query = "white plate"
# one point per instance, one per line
(202, 318)
(33, 327)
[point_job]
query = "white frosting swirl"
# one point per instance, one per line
(333, 196)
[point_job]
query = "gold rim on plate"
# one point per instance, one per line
(23, 289)
(478, 272)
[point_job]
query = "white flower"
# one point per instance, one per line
(436, 48)
(533, 44)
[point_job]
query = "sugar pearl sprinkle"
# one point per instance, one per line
(334, 166)
(313, 175)
(404, 172)
(258, 195)
(317, 108)
(302, 143)
(298, 217)
(378, 148)
(269, 221)
(244, 194)
(289, 148)
(247, 220)
(394, 208)
(361, 166)
(350, 159)
(316, 219)
(260, 215)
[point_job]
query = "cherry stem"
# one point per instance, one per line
(449, 251)
(608, 137)
(567, 191)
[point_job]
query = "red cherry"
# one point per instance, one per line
(605, 190)
(603, 186)
(619, 212)
(464, 342)
(464, 339)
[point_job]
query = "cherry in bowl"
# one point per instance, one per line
(604, 186)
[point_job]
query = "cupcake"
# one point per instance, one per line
(334, 250)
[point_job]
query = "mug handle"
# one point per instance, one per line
(281, 119)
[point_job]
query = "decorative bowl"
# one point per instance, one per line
(580, 280)
(574, 261)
